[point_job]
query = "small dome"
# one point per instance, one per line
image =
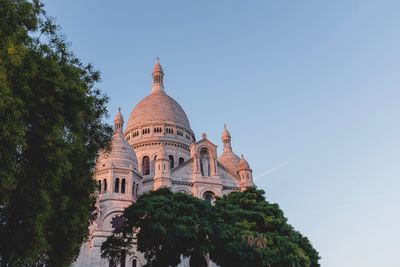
(120, 154)
(118, 117)
(229, 160)
(243, 164)
(158, 107)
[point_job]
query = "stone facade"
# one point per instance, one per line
(158, 149)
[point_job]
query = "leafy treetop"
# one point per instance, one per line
(241, 229)
(50, 133)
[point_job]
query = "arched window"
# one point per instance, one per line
(146, 165)
(137, 188)
(181, 160)
(209, 197)
(171, 161)
(105, 185)
(134, 262)
(116, 186)
(133, 188)
(99, 185)
(123, 186)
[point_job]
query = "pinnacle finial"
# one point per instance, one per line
(225, 133)
(158, 77)
(118, 121)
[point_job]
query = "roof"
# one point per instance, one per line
(158, 107)
(243, 164)
(120, 153)
(230, 160)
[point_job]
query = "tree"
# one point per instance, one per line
(250, 231)
(171, 225)
(50, 133)
(241, 229)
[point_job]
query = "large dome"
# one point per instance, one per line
(158, 107)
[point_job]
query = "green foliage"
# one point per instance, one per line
(252, 232)
(50, 133)
(241, 229)
(171, 225)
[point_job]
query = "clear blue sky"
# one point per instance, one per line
(309, 89)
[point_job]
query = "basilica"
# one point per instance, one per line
(157, 148)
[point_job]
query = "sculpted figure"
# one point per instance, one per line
(205, 165)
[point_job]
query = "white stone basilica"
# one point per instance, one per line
(158, 149)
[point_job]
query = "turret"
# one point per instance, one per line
(228, 158)
(226, 139)
(245, 174)
(158, 77)
(162, 176)
(116, 172)
(118, 122)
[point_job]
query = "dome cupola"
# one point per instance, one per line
(243, 164)
(121, 153)
(118, 121)
(228, 158)
(245, 174)
(226, 139)
(158, 116)
(158, 77)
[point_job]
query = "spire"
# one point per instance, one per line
(118, 122)
(158, 77)
(226, 139)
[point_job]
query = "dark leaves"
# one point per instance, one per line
(242, 229)
(50, 134)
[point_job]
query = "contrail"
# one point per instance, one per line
(272, 170)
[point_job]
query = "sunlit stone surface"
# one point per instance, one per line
(158, 149)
